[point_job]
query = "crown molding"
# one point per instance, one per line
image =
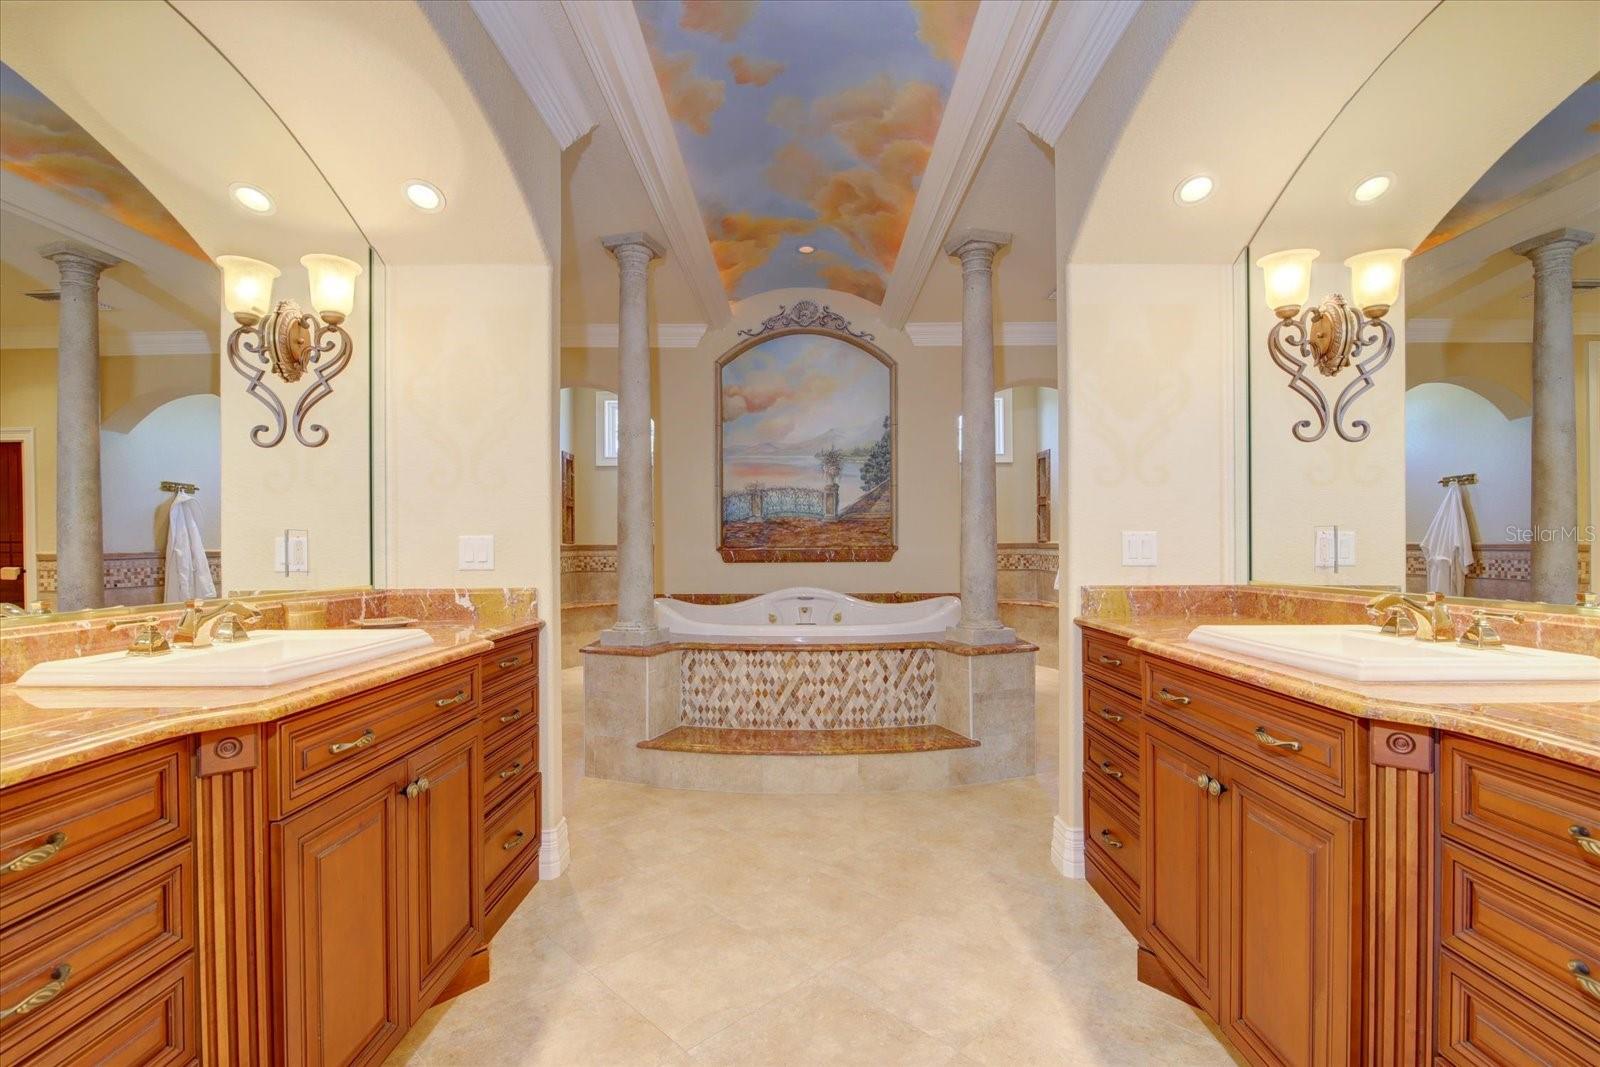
(604, 335)
(948, 334)
(1090, 29)
(608, 32)
(531, 52)
(1003, 36)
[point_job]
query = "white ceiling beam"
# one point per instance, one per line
(1002, 39)
(1089, 30)
(612, 42)
(518, 30)
(604, 335)
(948, 334)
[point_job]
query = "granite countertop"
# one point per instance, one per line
(43, 730)
(1556, 719)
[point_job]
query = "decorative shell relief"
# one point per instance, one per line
(806, 315)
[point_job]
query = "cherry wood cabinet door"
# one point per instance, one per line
(445, 890)
(1289, 993)
(1184, 850)
(338, 890)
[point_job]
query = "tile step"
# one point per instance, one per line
(734, 742)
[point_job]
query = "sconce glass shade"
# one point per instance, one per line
(1375, 278)
(1287, 276)
(247, 287)
(333, 285)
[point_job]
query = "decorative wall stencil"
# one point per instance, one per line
(806, 448)
(795, 689)
(804, 126)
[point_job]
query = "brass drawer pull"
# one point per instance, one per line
(509, 662)
(515, 841)
(1108, 770)
(1586, 981)
(1585, 840)
(418, 787)
(1109, 840)
(511, 716)
(511, 771)
(1168, 697)
(1110, 716)
(35, 856)
(1109, 661)
(1210, 785)
(41, 996)
(445, 702)
(1272, 742)
(366, 738)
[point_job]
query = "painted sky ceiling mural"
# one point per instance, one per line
(806, 122)
(42, 144)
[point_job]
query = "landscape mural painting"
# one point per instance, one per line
(806, 451)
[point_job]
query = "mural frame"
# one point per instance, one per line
(806, 318)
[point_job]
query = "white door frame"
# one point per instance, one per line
(30, 510)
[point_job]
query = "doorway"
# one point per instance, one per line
(15, 567)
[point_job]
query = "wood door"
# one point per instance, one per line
(1184, 857)
(1041, 495)
(445, 891)
(569, 500)
(12, 564)
(1289, 992)
(338, 889)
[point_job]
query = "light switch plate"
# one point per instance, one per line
(1347, 548)
(298, 551)
(1138, 548)
(475, 552)
(280, 560)
(1326, 552)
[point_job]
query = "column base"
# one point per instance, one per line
(633, 636)
(981, 635)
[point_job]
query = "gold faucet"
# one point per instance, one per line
(200, 626)
(1482, 634)
(148, 639)
(1426, 614)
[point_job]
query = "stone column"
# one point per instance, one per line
(80, 544)
(636, 613)
(1555, 416)
(980, 607)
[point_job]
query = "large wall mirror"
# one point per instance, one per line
(1439, 430)
(133, 154)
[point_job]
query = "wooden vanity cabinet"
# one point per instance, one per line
(1112, 780)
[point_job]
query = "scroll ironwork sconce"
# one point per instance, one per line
(1332, 335)
(287, 340)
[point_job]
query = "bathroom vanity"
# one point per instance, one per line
(1339, 874)
(290, 880)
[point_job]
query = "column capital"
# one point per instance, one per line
(982, 244)
(618, 243)
(72, 254)
(1555, 245)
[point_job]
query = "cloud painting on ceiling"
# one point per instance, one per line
(806, 122)
(41, 144)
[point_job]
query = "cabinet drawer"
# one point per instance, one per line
(506, 714)
(508, 766)
(62, 833)
(1485, 1024)
(1536, 939)
(1111, 766)
(1316, 750)
(153, 1025)
(1111, 659)
(1539, 816)
(1113, 833)
(1113, 712)
(513, 662)
(67, 964)
(509, 833)
(316, 753)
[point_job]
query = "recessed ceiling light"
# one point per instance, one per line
(252, 198)
(806, 250)
(1195, 189)
(424, 196)
(1369, 189)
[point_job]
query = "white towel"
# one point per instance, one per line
(188, 571)
(1447, 546)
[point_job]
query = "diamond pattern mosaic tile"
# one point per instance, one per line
(797, 689)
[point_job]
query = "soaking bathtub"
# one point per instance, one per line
(803, 614)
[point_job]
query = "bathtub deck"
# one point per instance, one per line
(736, 742)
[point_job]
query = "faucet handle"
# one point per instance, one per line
(148, 640)
(1482, 634)
(1394, 620)
(1589, 601)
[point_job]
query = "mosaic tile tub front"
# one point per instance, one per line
(795, 689)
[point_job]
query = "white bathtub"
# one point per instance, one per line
(803, 615)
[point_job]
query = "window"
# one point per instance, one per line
(607, 430)
(1002, 428)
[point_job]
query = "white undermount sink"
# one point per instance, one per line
(269, 657)
(1363, 654)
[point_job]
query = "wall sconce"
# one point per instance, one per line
(1331, 335)
(287, 341)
